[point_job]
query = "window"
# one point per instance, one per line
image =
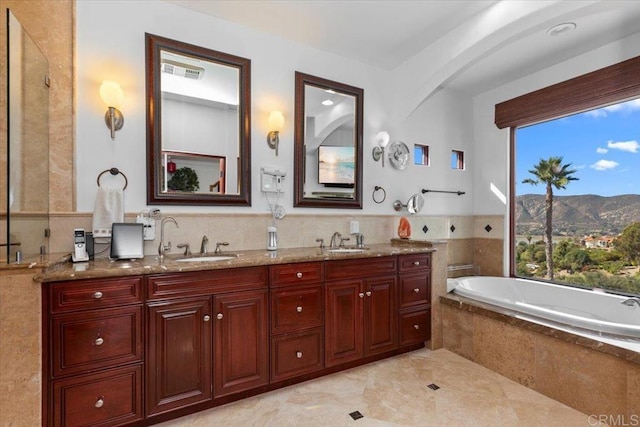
(609, 86)
(421, 154)
(457, 159)
(588, 164)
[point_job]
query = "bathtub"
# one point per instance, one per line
(589, 313)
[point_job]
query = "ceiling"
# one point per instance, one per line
(386, 34)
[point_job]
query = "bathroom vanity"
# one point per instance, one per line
(154, 341)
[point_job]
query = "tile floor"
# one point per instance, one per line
(395, 392)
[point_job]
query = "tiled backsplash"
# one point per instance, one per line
(468, 242)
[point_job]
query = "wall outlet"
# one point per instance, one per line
(354, 227)
(148, 227)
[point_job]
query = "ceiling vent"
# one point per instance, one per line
(182, 70)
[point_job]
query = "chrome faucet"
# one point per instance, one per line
(218, 244)
(187, 250)
(631, 301)
(162, 248)
(334, 243)
(204, 246)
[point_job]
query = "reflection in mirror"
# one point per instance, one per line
(198, 139)
(25, 203)
(328, 143)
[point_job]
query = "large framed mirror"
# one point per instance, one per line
(328, 143)
(198, 125)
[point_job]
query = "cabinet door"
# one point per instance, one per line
(241, 344)
(179, 354)
(343, 322)
(380, 315)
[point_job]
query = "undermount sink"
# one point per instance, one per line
(346, 250)
(206, 258)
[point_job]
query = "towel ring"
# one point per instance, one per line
(377, 199)
(114, 171)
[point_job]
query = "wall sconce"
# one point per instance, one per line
(276, 121)
(382, 139)
(112, 95)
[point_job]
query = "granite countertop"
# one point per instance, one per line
(63, 269)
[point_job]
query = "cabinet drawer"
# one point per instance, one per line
(296, 354)
(106, 399)
(414, 262)
(89, 340)
(296, 308)
(359, 268)
(415, 327)
(299, 273)
(206, 282)
(93, 294)
(415, 290)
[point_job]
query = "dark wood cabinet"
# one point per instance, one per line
(361, 309)
(297, 319)
(119, 350)
(179, 354)
(241, 359)
(93, 352)
(415, 298)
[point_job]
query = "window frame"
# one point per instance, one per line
(609, 85)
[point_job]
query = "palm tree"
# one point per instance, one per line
(552, 173)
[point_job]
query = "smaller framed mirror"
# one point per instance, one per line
(328, 143)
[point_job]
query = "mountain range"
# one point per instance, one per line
(582, 215)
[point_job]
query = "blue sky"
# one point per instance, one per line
(603, 145)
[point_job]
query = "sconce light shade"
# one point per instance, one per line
(276, 122)
(382, 140)
(112, 96)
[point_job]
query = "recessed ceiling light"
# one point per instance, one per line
(327, 102)
(561, 29)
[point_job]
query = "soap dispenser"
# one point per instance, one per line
(272, 238)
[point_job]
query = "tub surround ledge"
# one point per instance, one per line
(516, 319)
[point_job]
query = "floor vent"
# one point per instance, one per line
(433, 387)
(356, 415)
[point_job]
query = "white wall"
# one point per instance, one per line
(491, 164)
(110, 45)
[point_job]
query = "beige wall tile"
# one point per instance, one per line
(504, 349)
(487, 256)
(438, 287)
(496, 222)
(592, 382)
(457, 329)
(633, 391)
(20, 352)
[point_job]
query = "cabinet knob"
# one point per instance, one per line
(99, 403)
(99, 341)
(299, 354)
(416, 327)
(368, 293)
(299, 275)
(97, 294)
(416, 290)
(219, 316)
(361, 295)
(416, 263)
(299, 309)
(207, 317)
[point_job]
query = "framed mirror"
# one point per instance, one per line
(198, 125)
(328, 143)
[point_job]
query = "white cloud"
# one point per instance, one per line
(630, 146)
(623, 107)
(600, 150)
(603, 165)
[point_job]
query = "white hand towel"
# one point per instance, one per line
(109, 208)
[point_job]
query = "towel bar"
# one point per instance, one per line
(114, 171)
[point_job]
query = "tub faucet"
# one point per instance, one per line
(631, 301)
(162, 248)
(204, 246)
